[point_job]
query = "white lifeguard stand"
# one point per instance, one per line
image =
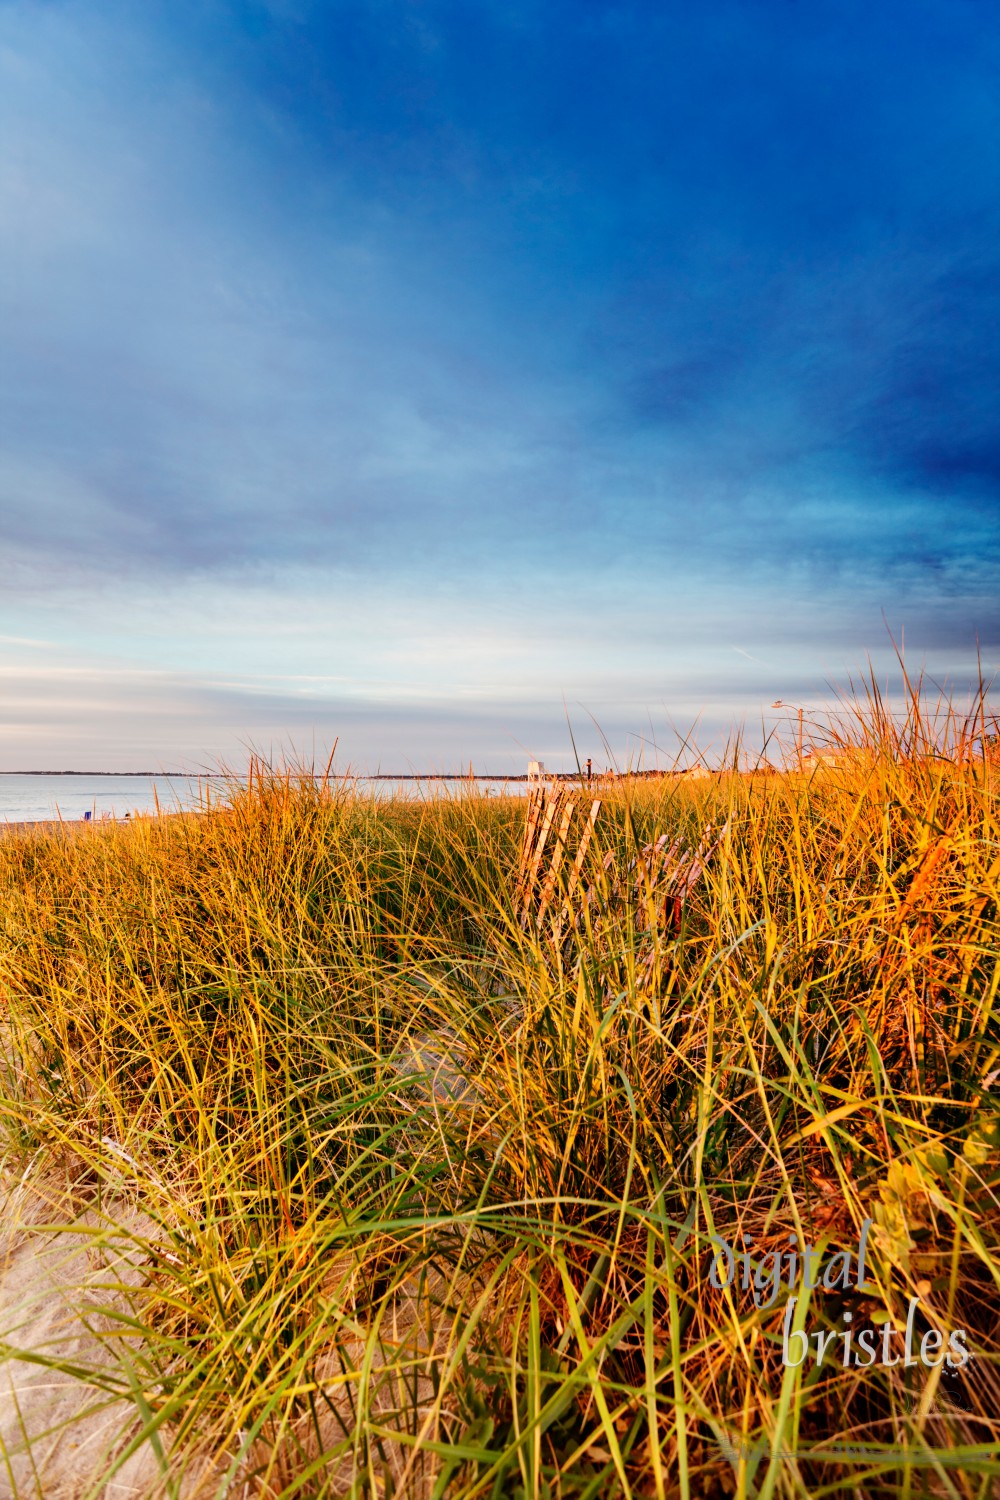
(536, 773)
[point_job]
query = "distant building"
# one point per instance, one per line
(812, 757)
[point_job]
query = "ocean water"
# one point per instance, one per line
(39, 798)
(30, 799)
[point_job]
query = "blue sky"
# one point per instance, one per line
(426, 373)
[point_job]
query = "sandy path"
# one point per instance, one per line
(58, 1433)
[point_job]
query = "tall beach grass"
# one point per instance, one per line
(387, 1194)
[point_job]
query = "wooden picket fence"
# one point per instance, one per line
(559, 827)
(549, 830)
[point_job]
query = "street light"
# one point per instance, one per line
(779, 703)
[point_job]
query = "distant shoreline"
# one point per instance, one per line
(348, 776)
(504, 776)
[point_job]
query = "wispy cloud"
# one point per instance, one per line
(498, 353)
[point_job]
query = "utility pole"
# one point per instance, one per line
(779, 703)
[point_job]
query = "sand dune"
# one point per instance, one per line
(60, 1433)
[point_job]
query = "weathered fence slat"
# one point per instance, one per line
(581, 855)
(661, 877)
(549, 884)
(548, 806)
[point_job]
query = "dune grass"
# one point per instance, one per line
(413, 1201)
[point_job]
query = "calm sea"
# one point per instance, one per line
(29, 799)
